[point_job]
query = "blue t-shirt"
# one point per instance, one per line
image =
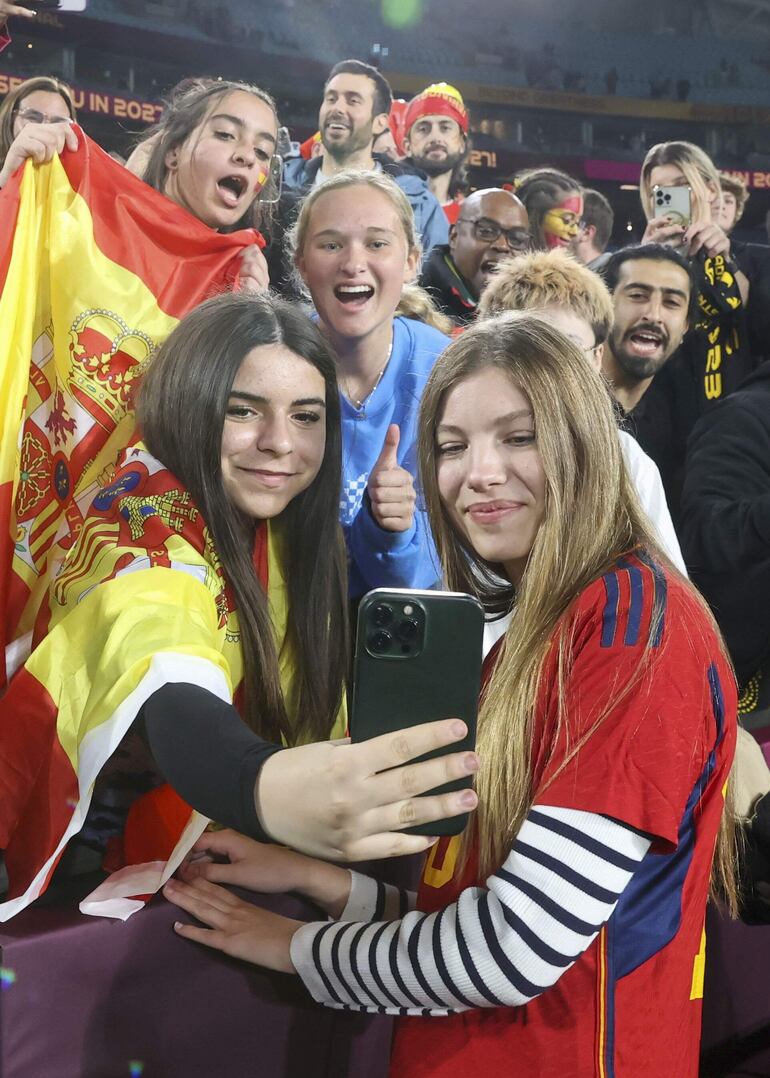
(379, 558)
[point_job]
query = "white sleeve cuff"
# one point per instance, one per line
(370, 900)
(362, 901)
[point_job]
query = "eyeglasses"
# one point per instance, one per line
(488, 231)
(32, 116)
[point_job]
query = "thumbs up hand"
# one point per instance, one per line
(391, 488)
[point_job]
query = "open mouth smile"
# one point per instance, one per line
(231, 189)
(645, 341)
(353, 293)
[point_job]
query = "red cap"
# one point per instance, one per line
(440, 99)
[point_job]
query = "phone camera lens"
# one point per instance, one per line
(380, 642)
(382, 615)
(408, 629)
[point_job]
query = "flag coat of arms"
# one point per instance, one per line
(96, 269)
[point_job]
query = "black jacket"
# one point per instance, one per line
(714, 359)
(448, 289)
(725, 524)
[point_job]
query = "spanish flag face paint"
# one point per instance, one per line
(224, 164)
(562, 224)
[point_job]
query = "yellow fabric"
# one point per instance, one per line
(102, 638)
(50, 322)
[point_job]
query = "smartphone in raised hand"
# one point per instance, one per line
(418, 658)
(675, 203)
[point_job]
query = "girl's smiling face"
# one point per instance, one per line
(274, 435)
(218, 171)
(489, 470)
(355, 260)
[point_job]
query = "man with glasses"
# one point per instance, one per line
(492, 226)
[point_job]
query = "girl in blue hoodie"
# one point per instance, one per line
(355, 247)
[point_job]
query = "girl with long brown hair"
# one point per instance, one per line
(563, 932)
(202, 614)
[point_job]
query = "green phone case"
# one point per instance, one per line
(438, 677)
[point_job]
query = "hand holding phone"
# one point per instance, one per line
(673, 203)
(418, 658)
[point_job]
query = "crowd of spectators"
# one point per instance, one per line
(402, 383)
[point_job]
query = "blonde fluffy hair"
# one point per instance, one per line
(554, 278)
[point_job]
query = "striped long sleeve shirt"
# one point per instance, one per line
(498, 946)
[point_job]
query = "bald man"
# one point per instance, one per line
(492, 225)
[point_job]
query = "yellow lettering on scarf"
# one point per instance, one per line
(713, 385)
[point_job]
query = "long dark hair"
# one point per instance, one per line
(13, 101)
(540, 189)
(182, 406)
(185, 110)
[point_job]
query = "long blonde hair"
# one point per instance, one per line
(592, 517)
(697, 168)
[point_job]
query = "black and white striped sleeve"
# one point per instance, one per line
(495, 947)
(370, 900)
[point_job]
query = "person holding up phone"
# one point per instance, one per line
(684, 165)
(355, 248)
(566, 924)
(717, 353)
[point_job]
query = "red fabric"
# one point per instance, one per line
(306, 147)
(396, 118)
(452, 210)
(38, 787)
(153, 826)
(5, 37)
(606, 1015)
(432, 103)
(181, 260)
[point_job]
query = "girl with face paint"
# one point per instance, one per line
(554, 202)
(211, 154)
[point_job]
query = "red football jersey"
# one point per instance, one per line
(658, 761)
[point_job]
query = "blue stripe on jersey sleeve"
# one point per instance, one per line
(610, 614)
(634, 621)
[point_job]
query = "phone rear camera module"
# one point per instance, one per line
(382, 615)
(407, 629)
(380, 642)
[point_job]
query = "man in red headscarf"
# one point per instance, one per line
(436, 142)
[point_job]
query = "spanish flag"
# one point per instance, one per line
(96, 269)
(140, 601)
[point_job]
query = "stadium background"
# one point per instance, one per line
(587, 85)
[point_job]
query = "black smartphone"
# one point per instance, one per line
(418, 658)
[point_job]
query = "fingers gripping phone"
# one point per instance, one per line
(675, 203)
(418, 658)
